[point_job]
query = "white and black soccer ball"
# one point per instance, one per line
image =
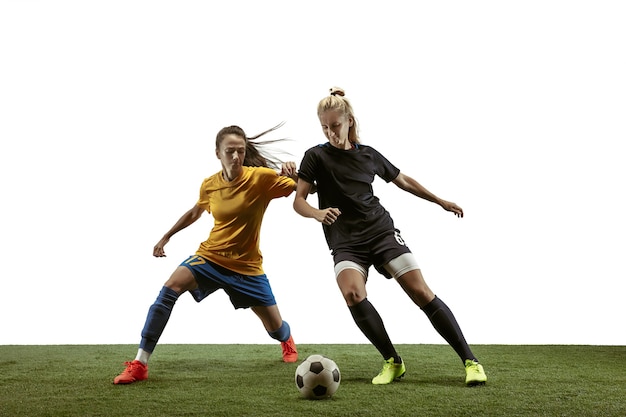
(318, 377)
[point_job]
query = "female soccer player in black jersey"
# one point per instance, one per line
(361, 233)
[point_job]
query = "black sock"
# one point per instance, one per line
(444, 322)
(368, 320)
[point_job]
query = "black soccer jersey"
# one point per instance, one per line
(344, 180)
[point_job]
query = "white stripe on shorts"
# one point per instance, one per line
(396, 267)
(401, 265)
(341, 265)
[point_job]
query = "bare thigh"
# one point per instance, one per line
(414, 285)
(352, 285)
(181, 280)
(270, 316)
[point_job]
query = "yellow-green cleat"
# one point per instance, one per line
(391, 371)
(474, 373)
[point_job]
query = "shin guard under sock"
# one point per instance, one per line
(158, 315)
(371, 324)
(446, 325)
(282, 333)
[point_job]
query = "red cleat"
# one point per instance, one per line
(290, 353)
(135, 371)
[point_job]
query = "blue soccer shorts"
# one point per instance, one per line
(244, 291)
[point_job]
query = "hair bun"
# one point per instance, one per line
(336, 91)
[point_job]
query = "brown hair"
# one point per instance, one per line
(336, 101)
(254, 156)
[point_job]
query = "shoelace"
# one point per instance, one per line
(386, 366)
(287, 348)
(130, 366)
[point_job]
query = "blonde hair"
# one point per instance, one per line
(337, 101)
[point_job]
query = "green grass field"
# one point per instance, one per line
(250, 380)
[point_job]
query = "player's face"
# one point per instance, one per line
(336, 126)
(231, 152)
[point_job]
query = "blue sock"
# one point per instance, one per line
(282, 334)
(158, 315)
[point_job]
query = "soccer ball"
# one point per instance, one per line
(318, 377)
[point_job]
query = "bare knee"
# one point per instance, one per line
(352, 286)
(353, 296)
(181, 280)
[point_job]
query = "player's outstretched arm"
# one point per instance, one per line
(185, 220)
(408, 184)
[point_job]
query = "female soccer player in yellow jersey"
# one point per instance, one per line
(361, 233)
(230, 258)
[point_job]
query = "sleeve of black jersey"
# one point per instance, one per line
(384, 169)
(308, 167)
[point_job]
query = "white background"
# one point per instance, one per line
(514, 110)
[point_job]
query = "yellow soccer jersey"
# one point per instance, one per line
(238, 208)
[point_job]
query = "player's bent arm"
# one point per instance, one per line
(325, 216)
(300, 205)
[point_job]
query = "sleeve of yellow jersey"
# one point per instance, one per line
(277, 185)
(203, 199)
